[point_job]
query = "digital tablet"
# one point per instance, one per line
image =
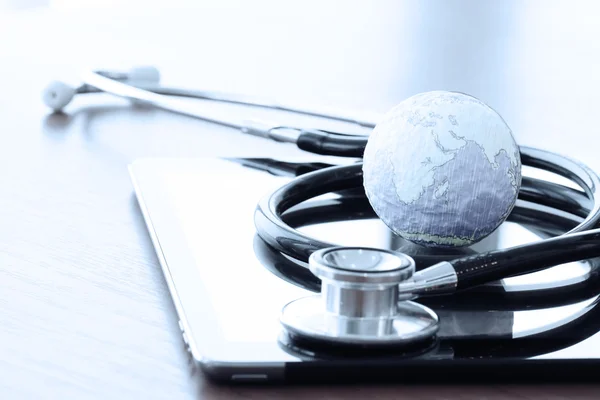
(229, 288)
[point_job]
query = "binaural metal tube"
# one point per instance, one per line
(154, 99)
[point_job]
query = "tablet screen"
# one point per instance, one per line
(201, 214)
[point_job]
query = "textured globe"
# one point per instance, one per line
(442, 169)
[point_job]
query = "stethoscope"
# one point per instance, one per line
(481, 323)
(367, 295)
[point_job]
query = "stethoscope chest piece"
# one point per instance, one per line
(359, 302)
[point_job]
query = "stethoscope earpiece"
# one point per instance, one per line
(57, 95)
(359, 302)
(146, 74)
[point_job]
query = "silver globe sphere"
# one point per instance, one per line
(442, 169)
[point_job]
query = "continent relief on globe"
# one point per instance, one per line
(442, 169)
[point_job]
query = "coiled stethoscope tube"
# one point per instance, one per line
(295, 244)
(543, 222)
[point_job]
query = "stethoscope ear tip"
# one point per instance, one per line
(147, 74)
(57, 95)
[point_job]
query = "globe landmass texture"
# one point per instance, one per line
(442, 169)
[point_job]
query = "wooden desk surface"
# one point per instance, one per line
(85, 312)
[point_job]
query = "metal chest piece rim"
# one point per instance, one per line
(359, 301)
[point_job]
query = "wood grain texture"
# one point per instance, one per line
(85, 312)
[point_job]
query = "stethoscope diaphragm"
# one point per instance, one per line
(360, 302)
